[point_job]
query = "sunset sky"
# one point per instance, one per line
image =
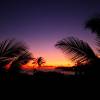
(41, 23)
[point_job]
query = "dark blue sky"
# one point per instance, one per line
(41, 23)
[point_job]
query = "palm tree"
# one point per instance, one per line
(40, 61)
(80, 50)
(9, 49)
(22, 59)
(94, 25)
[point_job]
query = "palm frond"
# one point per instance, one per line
(23, 58)
(11, 48)
(79, 49)
(98, 44)
(94, 25)
(19, 61)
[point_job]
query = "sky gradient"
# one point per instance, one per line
(41, 23)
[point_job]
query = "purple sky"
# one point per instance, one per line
(41, 23)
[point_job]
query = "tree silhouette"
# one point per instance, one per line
(40, 61)
(9, 49)
(94, 25)
(19, 61)
(80, 50)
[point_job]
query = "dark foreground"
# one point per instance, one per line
(48, 76)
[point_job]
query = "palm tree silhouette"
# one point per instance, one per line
(19, 61)
(94, 25)
(80, 50)
(40, 61)
(9, 49)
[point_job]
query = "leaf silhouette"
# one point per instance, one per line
(94, 25)
(78, 48)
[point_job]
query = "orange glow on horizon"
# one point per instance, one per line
(52, 60)
(49, 65)
(54, 57)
